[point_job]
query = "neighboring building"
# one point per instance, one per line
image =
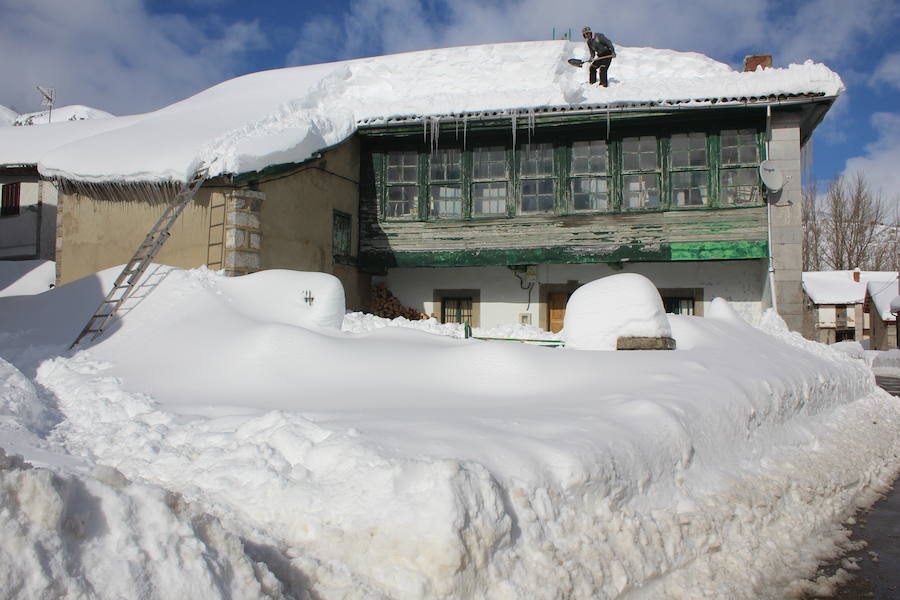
(836, 301)
(880, 305)
(489, 200)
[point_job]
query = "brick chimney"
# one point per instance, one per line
(856, 274)
(757, 60)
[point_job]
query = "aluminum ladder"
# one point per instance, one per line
(131, 275)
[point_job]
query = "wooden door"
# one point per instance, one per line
(556, 307)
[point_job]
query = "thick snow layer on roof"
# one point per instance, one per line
(270, 460)
(838, 287)
(285, 115)
(883, 295)
(7, 116)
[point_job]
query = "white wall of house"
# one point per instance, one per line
(31, 233)
(502, 299)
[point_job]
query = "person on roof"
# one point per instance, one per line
(602, 53)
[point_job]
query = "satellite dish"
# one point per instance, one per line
(771, 176)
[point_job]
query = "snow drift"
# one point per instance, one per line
(394, 463)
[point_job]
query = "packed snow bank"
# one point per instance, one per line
(399, 464)
(26, 277)
(73, 112)
(285, 115)
(622, 305)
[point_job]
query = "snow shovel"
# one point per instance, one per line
(578, 63)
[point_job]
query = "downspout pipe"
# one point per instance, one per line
(769, 214)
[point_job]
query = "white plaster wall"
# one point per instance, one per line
(741, 282)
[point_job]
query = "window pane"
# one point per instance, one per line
(641, 192)
(690, 188)
(536, 159)
(489, 162)
(590, 193)
(445, 164)
(639, 153)
(402, 201)
(538, 195)
(402, 167)
(589, 157)
(739, 186)
(340, 234)
(738, 146)
(689, 150)
(446, 201)
(489, 198)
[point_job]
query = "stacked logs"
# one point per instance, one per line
(385, 305)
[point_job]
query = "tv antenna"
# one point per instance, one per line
(48, 96)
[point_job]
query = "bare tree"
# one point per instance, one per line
(850, 227)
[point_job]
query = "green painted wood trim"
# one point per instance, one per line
(719, 250)
(561, 255)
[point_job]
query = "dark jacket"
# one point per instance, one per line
(599, 45)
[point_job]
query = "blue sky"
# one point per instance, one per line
(128, 56)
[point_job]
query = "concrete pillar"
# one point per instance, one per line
(786, 218)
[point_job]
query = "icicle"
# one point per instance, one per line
(456, 126)
(512, 116)
(424, 130)
(530, 124)
(607, 123)
(435, 132)
(465, 124)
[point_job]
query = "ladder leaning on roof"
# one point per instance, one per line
(131, 275)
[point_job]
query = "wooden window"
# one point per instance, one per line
(490, 181)
(537, 178)
(456, 310)
(689, 173)
(341, 235)
(590, 187)
(402, 185)
(641, 173)
(10, 205)
(445, 189)
(738, 170)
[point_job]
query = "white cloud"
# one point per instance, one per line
(113, 54)
(888, 71)
(881, 159)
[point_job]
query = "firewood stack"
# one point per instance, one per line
(385, 305)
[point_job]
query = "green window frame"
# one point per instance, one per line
(537, 179)
(590, 187)
(739, 157)
(401, 197)
(641, 173)
(341, 235)
(445, 186)
(689, 170)
(490, 186)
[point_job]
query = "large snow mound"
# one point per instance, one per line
(396, 463)
(621, 305)
(285, 115)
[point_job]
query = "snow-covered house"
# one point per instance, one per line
(880, 304)
(28, 213)
(836, 301)
(481, 183)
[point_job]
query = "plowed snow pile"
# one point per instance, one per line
(226, 440)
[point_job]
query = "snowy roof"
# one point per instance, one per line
(838, 287)
(74, 112)
(883, 294)
(286, 115)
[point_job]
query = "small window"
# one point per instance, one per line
(10, 205)
(739, 186)
(690, 188)
(341, 235)
(456, 310)
(688, 150)
(639, 153)
(640, 192)
(678, 306)
(490, 185)
(590, 183)
(402, 181)
(537, 178)
(739, 146)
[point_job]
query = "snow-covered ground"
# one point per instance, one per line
(228, 438)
